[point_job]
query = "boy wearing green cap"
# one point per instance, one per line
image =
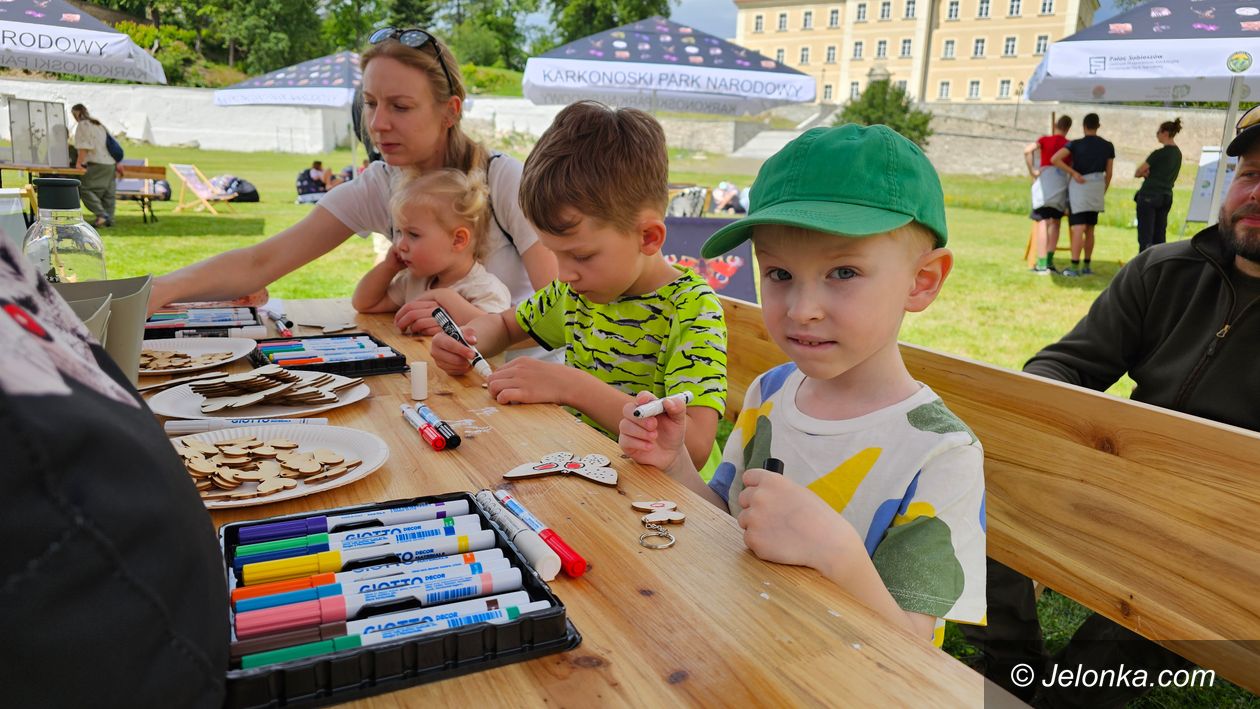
(882, 488)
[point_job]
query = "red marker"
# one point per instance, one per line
(427, 431)
(572, 562)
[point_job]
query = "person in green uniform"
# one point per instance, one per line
(1154, 199)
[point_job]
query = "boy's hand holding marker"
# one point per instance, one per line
(654, 440)
(786, 523)
(526, 380)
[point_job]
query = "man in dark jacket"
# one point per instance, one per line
(1182, 320)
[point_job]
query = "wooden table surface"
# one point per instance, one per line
(704, 622)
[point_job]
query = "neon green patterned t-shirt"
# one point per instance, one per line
(666, 342)
(908, 477)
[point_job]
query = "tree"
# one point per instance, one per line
(490, 32)
(269, 33)
(886, 104)
(412, 13)
(575, 19)
(347, 23)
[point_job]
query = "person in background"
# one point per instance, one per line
(97, 186)
(1155, 197)
(1049, 194)
(1092, 159)
(1172, 320)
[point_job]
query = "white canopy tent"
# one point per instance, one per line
(1165, 50)
(657, 64)
(54, 36)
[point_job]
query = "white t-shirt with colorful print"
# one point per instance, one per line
(908, 477)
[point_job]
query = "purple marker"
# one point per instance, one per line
(353, 520)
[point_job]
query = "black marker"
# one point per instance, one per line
(774, 465)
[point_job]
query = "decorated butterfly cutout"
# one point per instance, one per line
(593, 467)
(717, 271)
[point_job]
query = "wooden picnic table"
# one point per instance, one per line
(704, 622)
(38, 169)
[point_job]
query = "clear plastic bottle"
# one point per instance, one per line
(63, 247)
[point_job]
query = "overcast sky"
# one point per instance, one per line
(717, 17)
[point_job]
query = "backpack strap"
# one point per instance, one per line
(497, 223)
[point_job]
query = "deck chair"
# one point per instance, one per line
(137, 184)
(203, 194)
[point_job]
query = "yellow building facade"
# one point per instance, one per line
(937, 50)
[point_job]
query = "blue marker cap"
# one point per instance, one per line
(284, 599)
(283, 530)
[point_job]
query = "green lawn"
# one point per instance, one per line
(992, 309)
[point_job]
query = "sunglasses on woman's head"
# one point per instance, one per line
(415, 38)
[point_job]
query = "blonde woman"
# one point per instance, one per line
(413, 97)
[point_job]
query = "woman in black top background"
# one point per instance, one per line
(1155, 197)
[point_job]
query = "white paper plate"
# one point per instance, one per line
(348, 442)
(194, 346)
(182, 402)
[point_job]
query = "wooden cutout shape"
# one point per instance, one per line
(660, 512)
(593, 467)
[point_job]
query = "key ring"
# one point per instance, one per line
(656, 531)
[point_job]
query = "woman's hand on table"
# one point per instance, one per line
(450, 355)
(786, 523)
(654, 440)
(526, 380)
(160, 297)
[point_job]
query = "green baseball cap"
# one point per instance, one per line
(849, 180)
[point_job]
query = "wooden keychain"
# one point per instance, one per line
(593, 467)
(658, 512)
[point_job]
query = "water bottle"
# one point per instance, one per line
(63, 247)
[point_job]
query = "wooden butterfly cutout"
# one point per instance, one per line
(593, 467)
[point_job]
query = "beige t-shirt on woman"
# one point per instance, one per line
(91, 136)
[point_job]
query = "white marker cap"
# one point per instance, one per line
(483, 368)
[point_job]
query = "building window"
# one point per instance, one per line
(977, 47)
(1008, 47)
(1047, 7)
(826, 92)
(983, 11)
(942, 91)
(861, 12)
(952, 12)
(855, 90)
(831, 54)
(778, 55)
(759, 24)
(948, 51)
(857, 50)
(807, 20)
(1004, 88)
(1043, 41)
(881, 49)
(905, 47)
(782, 21)
(885, 10)
(973, 88)
(909, 9)
(804, 55)
(901, 84)
(833, 18)
(1015, 8)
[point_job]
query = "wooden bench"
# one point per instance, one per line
(1142, 514)
(136, 182)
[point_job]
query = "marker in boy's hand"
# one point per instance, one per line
(654, 440)
(786, 523)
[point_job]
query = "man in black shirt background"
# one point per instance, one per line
(1090, 170)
